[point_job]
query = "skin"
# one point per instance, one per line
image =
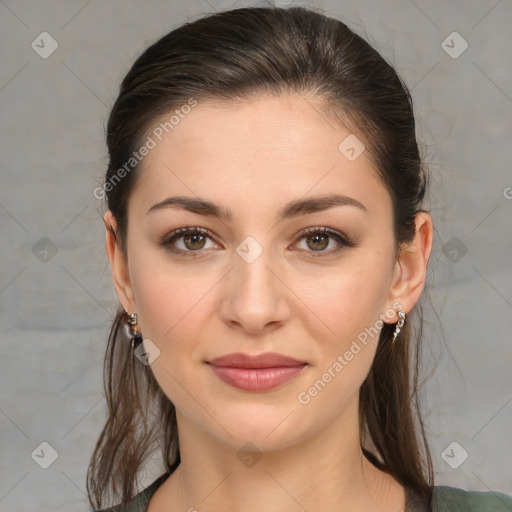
(254, 158)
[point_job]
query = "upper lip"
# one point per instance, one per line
(266, 360)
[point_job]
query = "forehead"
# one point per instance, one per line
(266, 148)
(278, 126)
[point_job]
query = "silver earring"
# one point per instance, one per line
(136, 336)
(399, 324)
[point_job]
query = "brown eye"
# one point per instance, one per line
(195, 240)
(187, 240)
(318, 242)
(318, 239)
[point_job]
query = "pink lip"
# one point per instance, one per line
(256, 373)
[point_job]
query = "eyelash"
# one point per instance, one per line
(179, 233)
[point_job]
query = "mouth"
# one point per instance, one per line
(256, 373)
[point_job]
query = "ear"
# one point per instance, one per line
(411, 267)
(118, 263)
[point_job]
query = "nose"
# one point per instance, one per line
(255, 297)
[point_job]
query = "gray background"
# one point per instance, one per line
(56, 308)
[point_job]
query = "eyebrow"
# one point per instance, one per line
(290, 210)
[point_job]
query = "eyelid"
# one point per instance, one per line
(338, 236)
(186, 230)
(324, 230)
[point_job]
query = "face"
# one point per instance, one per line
(312, 283)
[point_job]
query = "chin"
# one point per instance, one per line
(267, 432)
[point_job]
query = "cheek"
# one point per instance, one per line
(173, 312)
(171, 307)
(349, 306)
(166, 296)
(347, 300)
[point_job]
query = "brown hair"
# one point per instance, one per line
(233, 56)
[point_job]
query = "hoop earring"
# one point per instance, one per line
(136, 336)
(398, 325)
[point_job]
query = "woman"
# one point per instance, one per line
(268, 244)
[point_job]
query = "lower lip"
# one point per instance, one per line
(256, 379)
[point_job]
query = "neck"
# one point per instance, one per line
(327, 471)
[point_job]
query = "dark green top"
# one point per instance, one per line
(445, 499)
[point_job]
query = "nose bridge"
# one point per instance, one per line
(252, 274)
(255, 292)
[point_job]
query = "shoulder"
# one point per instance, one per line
(140, 502)
(452, 499)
